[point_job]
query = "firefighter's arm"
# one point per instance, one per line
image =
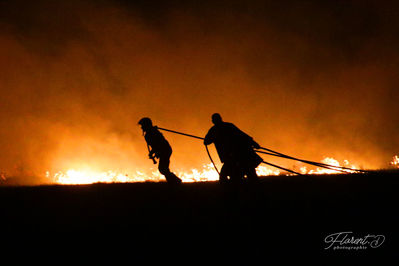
(249, 139)
(151, 156)
(208, 139)
(255, 144)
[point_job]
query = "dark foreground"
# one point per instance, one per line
(291, 216)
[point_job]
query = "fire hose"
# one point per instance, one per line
(276, 154)
(195, 137)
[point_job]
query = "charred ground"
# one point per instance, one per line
(293, 214)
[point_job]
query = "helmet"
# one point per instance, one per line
(145, 122)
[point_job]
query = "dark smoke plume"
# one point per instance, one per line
(307, 78)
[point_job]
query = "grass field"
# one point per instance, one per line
(293, 214)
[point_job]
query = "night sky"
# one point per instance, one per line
(306, 78)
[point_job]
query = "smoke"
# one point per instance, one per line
(309, 79)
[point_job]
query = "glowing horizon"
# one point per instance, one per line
(207, 173)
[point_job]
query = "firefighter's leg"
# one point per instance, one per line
(237, 174)
(252, 175)
(223, 175)
(234, 172)
(163, 168)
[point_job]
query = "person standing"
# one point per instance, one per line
(235, 149)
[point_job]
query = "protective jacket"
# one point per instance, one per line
(232, 144)
(159, 145)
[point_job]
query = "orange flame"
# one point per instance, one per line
(330, 161)
(207, 173)
(89, 176)
(395, 161)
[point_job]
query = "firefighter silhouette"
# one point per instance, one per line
(160, 148)
(235, 150)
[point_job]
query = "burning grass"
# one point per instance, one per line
(87, 175)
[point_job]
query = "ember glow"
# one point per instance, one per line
(207, 173)
(73, 176)
(330, 161)
(88, 176)
(395, 161)
(310, 80)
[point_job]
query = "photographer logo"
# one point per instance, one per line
(349, 241)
